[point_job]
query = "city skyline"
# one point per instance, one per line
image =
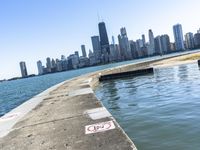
(33, 47)
(104, 53)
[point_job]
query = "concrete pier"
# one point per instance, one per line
(68, 116)
(131, 73)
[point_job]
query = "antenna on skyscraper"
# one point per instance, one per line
(101, 18)
(98, 16)
(113, 40)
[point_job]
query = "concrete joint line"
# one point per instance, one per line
(46, 122)
(97, 113)
(80, 92)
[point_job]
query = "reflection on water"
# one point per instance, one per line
(160, 111)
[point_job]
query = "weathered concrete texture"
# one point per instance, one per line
(59, 121)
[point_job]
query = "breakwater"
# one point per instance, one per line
(67, 116)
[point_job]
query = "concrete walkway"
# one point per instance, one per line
(69, 117)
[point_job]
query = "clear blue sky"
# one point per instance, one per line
(32, 30)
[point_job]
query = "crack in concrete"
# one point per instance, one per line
(50, 121)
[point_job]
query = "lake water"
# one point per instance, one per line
(159, 111)
(14, 93)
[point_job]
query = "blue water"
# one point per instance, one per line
(14, 93)
(159, 111)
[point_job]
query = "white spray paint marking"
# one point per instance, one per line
(80, 92)
(98, 113)
(99, 127)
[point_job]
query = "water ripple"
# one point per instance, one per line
(159, 111)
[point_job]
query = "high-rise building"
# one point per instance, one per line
(165, 43)
(172, 47)
(158, 46)
(133, 46)
(96, 48)
(40, 67)
(53, 66)
(113, 40)
(178, 36)
(58, 65)
(73, 61)
(65, 64)
(151, 48)
(63, 57)
(103, 36)
(23, 69)
(84, 62)
(48, 64)
(53, 63)
(189, 40)
(197, 40)
(124, 44)
(139, 45)
(114, 52)
(92, 60)
(105, 47)
(76, 53)
(83, 51)
(143, 39)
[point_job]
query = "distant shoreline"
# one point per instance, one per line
(191, 54)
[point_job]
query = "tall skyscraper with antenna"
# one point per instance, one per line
(105, 50)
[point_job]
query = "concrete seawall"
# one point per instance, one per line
(67, 116)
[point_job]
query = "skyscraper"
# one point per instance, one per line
(83, 51)
(139, 45)
(105, 50)
(96, 48)
(73, 61)
(40, 67)
(143, 39)
(158, 45)
(113, 40)
(103, 36)
(133, 49)
(197, 40)
(189, 40)
(76, 53)
(151, 49)
(124, 44)
(178, 36)
(113, 51)
(48, 64)
(91, 56)
(165, 42)
(23, 69)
